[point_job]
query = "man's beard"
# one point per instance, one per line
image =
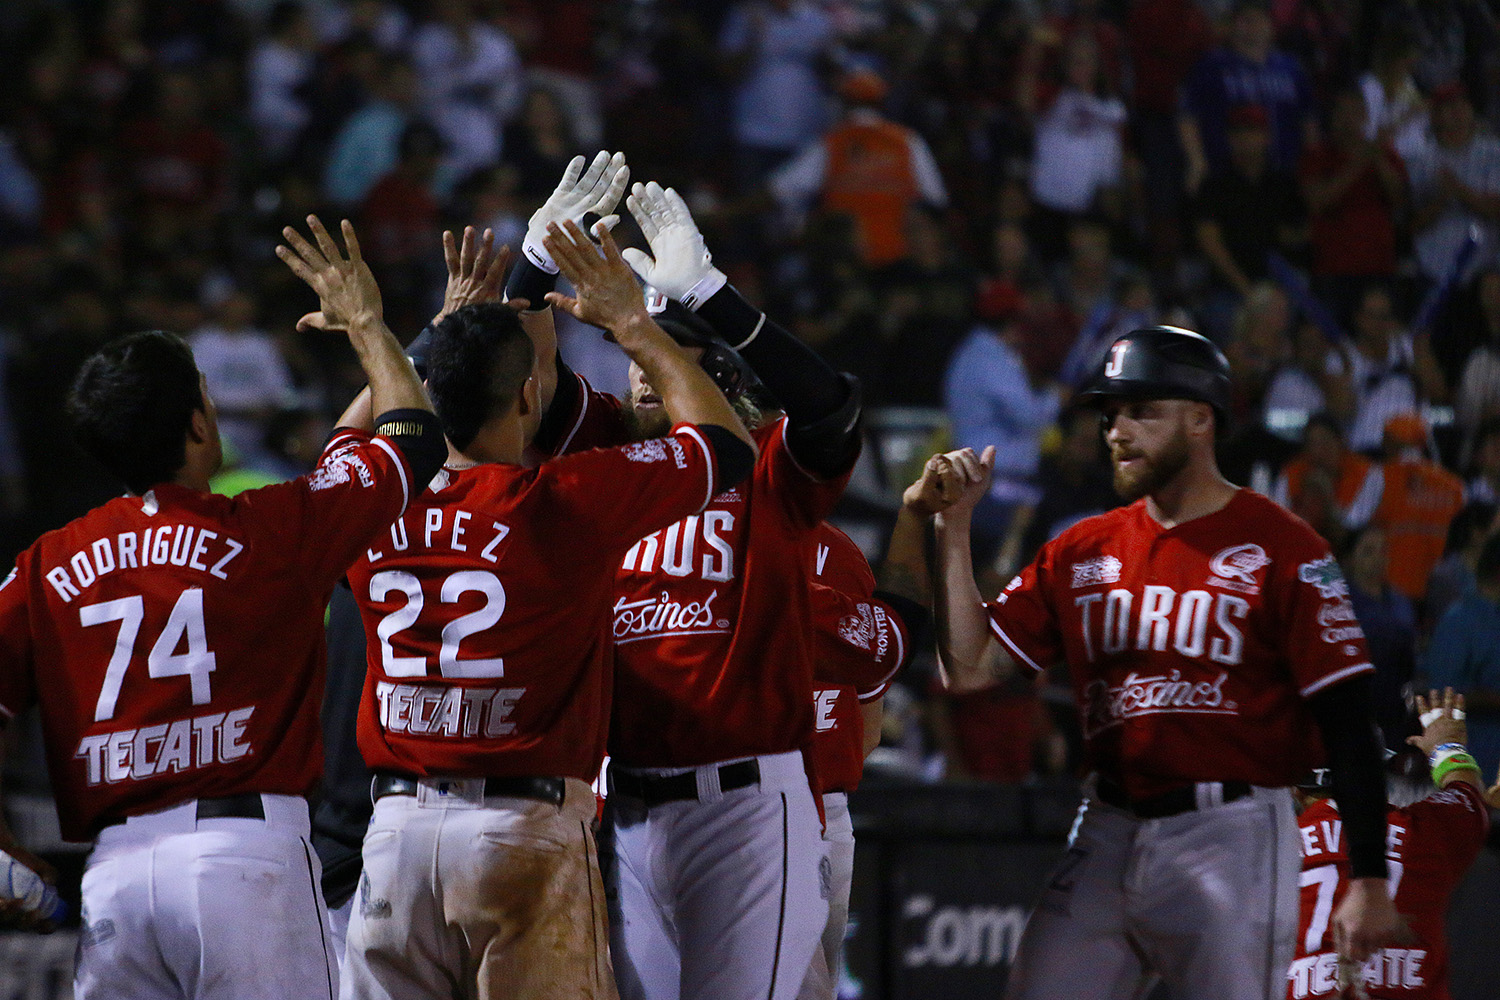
(642, 425)
(1152, 473)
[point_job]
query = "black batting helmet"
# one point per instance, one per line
(1162, 362)
(722, 362)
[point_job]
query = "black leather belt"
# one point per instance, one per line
(1179, 800)
(656, 789)
(552, 790)
(246, 806)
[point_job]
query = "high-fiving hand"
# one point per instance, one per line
(682, 267)
(476, 272)
(596, 190)
(348, 296)
(951, 483)
(606, 294)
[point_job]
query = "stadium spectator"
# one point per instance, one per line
(1330, 487)
(400, 215)
(471, 81)
(178, 164)
(1389, 621)
(277, 77)
(1451, 37)
(926, 308)
(1453, 576)
(367, 145)
(1384, 367)
(1395, 110)
(993, 398)
(773, 52)
(1477, 397)
(1355, 189)
(244, 371)
(1455, 180)
(1484, 463)
(1417, 502)
(539, 144)
(1246, 209)
(1248, 70)
(1465, 655)
(1076, 162)
(1303, 385)
(1260, 342)
(866, 167)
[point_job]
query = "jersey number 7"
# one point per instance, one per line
(184, 624)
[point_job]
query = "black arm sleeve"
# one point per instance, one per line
(733, 458)
(529, 282)
(564, 405)
(419, 435)
(916, 618)
(822, 405)
(1345, 714)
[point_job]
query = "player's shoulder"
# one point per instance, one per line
(1099, 529)
(1273, 526)
(1316, 812)
(1459, 797)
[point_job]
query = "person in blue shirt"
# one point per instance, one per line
(1465, 655)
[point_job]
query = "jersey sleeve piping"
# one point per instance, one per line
(1335, 677)
(1020, 653)
(585, 390)
(401, 469)
(871, 693)
(339, 439)
(708, 458)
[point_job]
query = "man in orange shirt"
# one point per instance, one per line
(866, 167)
(1330, 487)
(1419, 500)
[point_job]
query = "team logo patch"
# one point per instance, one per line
(1106, 706)
(371, 909)
(1335, 612)
(1005, 594)
(1091, 573)
(729, 496)
(1234, 568)
(653, 450)
(338, 468)
(1326, 576)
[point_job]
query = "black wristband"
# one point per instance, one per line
(529, 282)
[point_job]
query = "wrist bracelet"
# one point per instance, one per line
(1454, 762)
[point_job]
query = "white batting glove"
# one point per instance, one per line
(580, 192)
(683, 269)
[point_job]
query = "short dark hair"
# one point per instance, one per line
(479, 360)
(132, 403)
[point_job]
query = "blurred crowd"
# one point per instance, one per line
(960, 201)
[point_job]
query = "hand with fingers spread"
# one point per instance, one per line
(1442, 719)
(606, 292)
(476, 271)
(581, 192)
(348, 297)
(679, 265)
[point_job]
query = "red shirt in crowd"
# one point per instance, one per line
(1356, 235)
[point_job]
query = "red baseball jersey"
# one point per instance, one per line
(175, 640)
(713, 653)
(859, 644)
(1429, 845)
(1192, 649)
(488, 608)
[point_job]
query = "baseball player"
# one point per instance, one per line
(1210, 645)
(716, 835)
(862, 636)
(174, 641)
(486, 699)
(1432, 836)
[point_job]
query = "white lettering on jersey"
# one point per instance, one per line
(439, 531)
(1163, 616)
(678, 543)
(446, 710)
(167, 748)
(659, 617)
(1092, 572)
(172, 544)
(1105, 706)
(1392, 968)
(823, 551)
(823, 702)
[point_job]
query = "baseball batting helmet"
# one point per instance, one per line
(1162, 362)
(722, 362)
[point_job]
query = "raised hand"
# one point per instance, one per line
(581, 191)
(606, 293)
(682, 267)
(966, 477)
(1442, 721)
(476, 271)
(347, 293)
(939, 486)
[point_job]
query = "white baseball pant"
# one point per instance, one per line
(218, 909)
(822, 981)
(719, 898)
(487, 897)
(1206, 900)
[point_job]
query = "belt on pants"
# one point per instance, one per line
(551, 790)
(245, 806)
(658, 789)
(1203, 795)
